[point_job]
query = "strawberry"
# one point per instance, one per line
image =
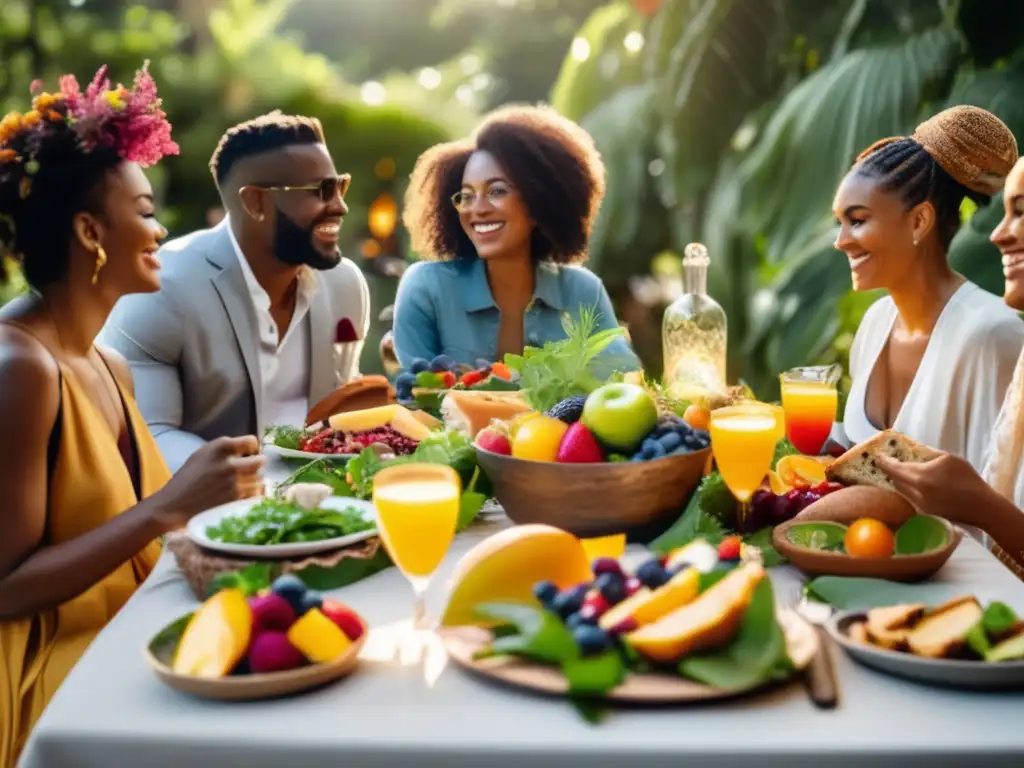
(472, 377)
(729, 549)
(579, 446)
(448, 377)
(493, 440)
(344, 618)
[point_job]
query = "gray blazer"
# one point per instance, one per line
(193, 346)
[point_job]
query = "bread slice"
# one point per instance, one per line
(890, 627)
(356, 395)
(857, 466)
(943, 632)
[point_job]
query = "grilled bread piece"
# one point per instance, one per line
(857, 466)
(890, 627)
(943, 632)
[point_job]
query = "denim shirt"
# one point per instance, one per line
(446, 307)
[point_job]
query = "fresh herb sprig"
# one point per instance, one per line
(564, 368)
(284, 436)
(275, 521)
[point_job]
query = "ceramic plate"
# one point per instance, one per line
(198, 524)
(463, 642)
(947, 673)
(160, 655)
(290, 453)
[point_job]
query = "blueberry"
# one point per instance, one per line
(291, 588)
(637, 457)
(578, 620)
(612, 587)
(545, 592)
(312, 599)
(442, 363)
(671, 441)
(661, 430)
(652, 574)
(404, 380)
(419, 365)
(653, 449)
(482, 363)
(569, 602)
(591, 639)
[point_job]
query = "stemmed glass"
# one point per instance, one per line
(417, 511)
(810, 399)
(743, 441)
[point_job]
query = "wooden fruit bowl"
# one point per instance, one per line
(160, 653)
(904, 568)
(591, 500)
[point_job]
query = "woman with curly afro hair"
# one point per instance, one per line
(501, 220)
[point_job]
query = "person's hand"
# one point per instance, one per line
(223, 470)
(946, 486)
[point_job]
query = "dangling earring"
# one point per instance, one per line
(101, 259)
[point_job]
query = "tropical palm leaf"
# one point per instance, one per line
(812, 139)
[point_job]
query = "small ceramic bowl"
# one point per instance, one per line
(590, 500)
(160, 654)
(904, 568)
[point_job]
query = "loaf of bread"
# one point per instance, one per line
(857, 466)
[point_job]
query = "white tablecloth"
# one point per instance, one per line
(112, 711)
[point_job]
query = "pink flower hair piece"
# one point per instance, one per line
(131, 122)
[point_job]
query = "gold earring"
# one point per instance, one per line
(101, 259)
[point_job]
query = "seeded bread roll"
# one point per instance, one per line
(857, 466)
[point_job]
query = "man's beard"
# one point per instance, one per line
(294, 245)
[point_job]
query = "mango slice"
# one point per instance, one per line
(646, 606)
(217, 636)
(395, 416)
(320, 639)
(711, 620)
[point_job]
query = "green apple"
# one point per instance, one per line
(620, 415)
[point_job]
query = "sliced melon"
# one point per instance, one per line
(711, 620)
(507, 565)
(646, 606)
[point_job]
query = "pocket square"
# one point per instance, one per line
(345, 332)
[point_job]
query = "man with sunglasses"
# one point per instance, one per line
(242, 334)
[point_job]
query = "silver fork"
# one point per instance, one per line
(820, 676)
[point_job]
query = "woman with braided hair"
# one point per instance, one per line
(933, 359)
(87, 494)
(948, 485)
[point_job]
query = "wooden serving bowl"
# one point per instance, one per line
(160, 653)
(904, 568)
(591, 500)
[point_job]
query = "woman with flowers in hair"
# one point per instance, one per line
(87, 492)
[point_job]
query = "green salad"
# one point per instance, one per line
(274, 521)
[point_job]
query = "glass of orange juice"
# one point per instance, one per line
(743, 442)
(417, 511)
(810, 399)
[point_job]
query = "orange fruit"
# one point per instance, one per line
(776, 483)
(537, 438)
(799, 471)
(869, 538)
(697, 417)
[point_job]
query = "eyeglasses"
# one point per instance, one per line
(326, 190)
(464, 200)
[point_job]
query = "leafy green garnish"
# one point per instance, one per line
(823, 536)
(920, 534)
(762, 539)
(284, 436)
(274, 521)
(321, 471)
(539, 634)
(251, 580)
(471, 502)
(568, 367)
(755, 656)
(693, 524)
(998, 618)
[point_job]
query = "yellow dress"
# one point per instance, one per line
(89, 485)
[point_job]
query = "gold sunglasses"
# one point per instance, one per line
(325, 190)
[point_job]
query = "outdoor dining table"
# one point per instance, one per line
(419, 712)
